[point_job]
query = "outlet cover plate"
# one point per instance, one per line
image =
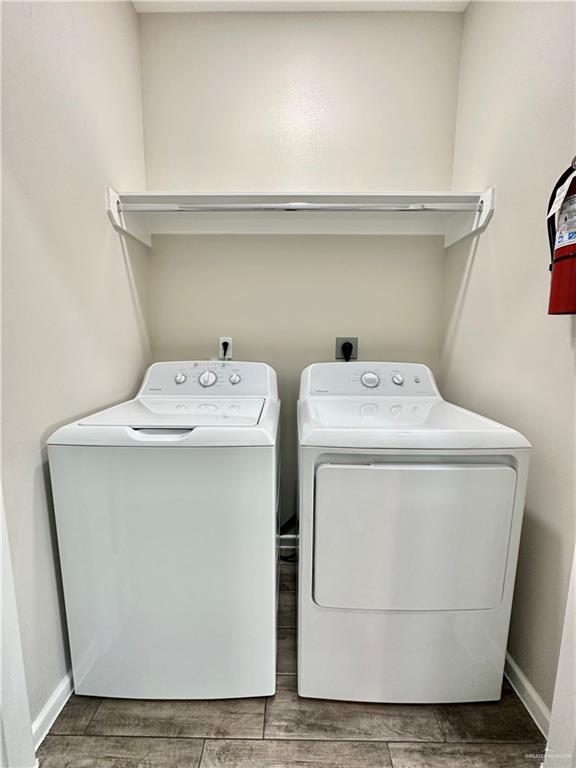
(229, 351)
(342, 340)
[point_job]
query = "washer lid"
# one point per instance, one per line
(179, 413)
(403, 422)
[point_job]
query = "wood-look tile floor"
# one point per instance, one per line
(285, 730)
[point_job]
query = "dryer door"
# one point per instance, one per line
(411, 537)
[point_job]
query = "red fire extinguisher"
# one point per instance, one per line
(562, 239)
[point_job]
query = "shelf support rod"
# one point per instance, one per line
(300, 207)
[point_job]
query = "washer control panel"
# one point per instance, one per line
(359, 378)
(209, 377)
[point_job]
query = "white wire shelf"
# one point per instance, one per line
(449, 214)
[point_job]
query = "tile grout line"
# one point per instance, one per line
(89, 723)
(390, 758)
(388, 742)
(440, 719)
(201, 754)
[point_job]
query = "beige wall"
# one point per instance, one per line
(503, 355)
(73, 336)
(302, 102)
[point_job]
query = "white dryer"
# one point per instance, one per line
(166, 513)
(410, 517)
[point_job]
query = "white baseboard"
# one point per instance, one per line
(50, 711)
(529, 696)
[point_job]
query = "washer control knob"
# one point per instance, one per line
(370, 379)
(180, 378)
(235, 378)
(398, 379)
(207, 379)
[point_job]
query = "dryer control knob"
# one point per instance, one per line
(398, 379)
(207, 379)
(180, 378)
(370, 379)
(235, 378)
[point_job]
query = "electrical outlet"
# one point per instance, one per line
(340, 340)
(225, 354)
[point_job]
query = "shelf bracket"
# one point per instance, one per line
(122, 222)
(458, 229)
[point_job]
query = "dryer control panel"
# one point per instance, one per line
(209, 378)
(359, 378)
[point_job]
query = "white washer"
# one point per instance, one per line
(410, 517)
(166, 512)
